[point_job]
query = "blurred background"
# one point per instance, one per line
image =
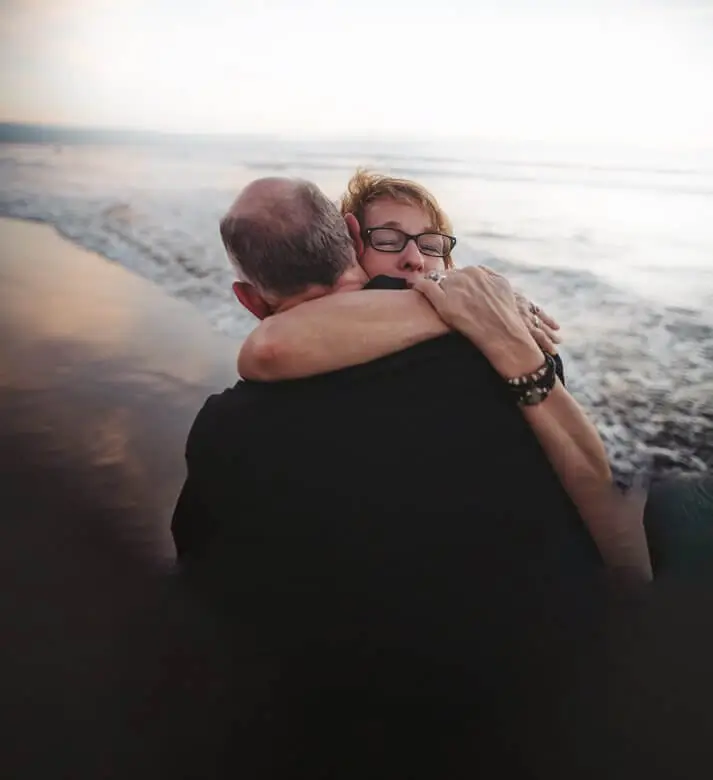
(571, 143)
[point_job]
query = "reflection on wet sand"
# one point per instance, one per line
(95, 306)
(101, 375)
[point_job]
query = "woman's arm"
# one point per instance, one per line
(575, 450)
(337, 331)
(481, 306)
(346, 329)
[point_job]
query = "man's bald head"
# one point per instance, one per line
(285, 235)
(274, 198)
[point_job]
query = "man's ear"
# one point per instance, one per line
(355, 234)
(251, 299)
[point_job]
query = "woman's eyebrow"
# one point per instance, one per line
(394, 224)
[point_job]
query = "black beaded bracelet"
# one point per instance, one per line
(532, 389)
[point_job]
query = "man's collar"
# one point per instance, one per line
(386, 283)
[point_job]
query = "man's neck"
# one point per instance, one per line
(350, 281)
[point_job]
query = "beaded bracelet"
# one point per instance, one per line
(532, 389)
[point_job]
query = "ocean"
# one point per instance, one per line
(616, 244)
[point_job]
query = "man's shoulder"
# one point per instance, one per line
(220, 403)
(219, 417)
(427, 359)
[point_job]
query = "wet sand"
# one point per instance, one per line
(101, 375)
(90, 353)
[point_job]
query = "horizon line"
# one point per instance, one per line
(208, 135)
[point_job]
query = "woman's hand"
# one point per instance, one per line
(541, 325)
(474, 292)
(481, 305)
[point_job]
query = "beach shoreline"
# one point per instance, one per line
(656, 419)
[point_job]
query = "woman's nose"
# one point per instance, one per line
(411, 257)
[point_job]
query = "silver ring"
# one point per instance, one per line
(436, 276)
(534, 308)
(536, 321)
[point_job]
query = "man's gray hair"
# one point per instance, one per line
(289, 241)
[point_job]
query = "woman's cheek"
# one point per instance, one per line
(433, 264)
(376, 266)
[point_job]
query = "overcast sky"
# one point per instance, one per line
(589, 70)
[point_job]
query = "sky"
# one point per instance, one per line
(631, 71)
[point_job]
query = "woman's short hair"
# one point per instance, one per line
(366, 187)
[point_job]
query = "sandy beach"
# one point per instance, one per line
(101, 375)
(91, 353)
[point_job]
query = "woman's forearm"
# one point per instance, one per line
(577, 454)
(337, 331)
(481, 305)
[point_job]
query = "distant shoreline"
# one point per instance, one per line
(28, 133)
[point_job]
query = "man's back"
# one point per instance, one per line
(402, 510)
(429, 432)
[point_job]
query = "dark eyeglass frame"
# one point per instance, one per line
(408, 237)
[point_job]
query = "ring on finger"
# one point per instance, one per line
(436, 276)
(534, 308)
(536, 321)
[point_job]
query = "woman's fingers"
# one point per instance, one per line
(551, 322)
(544, 342)
(467, 291)
(432, 291)
(549, 332)
(536, 317)
(542, 332)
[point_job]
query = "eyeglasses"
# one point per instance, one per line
(394, 240)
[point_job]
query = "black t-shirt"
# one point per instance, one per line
(371, 438)
(413, 473)
(400, 510)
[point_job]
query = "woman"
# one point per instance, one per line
(403, 233)
(373, 200)
(298, 345)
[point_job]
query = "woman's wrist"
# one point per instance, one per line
(515, 356)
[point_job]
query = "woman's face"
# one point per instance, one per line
(391, 259)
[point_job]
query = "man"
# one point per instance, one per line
(410, 574)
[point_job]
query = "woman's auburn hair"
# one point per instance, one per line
(367, 187)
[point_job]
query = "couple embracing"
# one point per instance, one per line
(399, 505)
